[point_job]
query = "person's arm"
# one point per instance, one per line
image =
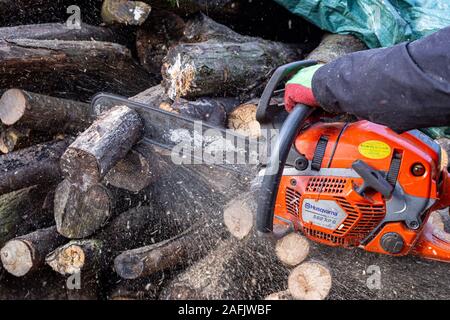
(406, 86)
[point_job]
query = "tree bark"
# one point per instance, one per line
(132, 13)
(40, 112)
(12, 138)
(90, 157)
(37, 165)
(21, 211)
(76, 69)
(24, 254)
(225, 64)
(162, 30)
(58, 31)
(176, 251)
(334, 46)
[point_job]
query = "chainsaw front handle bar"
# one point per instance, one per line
(274, 170)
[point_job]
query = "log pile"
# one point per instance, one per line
(88, 210)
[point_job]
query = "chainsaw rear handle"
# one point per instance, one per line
(274, 169)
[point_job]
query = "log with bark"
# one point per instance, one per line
(162, 30)
(180, 250)
(212, 110)
(36, 165)
(22, 211)
(59, 31)
(44, 113)
(24, 254)
(95, 152)
(132, 13)
(12, 138)
(334, 46)
(76, 69)
(135, 227)
(230, 64)
(81, 211)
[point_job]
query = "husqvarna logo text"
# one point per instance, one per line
(309, 206)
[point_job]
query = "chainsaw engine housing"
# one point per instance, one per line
(383, 210)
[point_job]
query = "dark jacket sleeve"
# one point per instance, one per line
(406, 86)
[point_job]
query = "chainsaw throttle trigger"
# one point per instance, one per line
(372, 179)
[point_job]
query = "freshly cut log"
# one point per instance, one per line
(238, 218)
(310, 281)
(136, 171)
(132, 13)
(210, 110)
(58, 31)
(132, 228)
(75, 256)
(280, 295)
(95, 151)
(217, 67)
(243, 119)
(334, 46)
(75, 69)
(40, 112)
(292, 249)
(38, 164)
(25, 254)
(80, 212)
(162, 30)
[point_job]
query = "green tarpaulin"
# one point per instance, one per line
(379, 23)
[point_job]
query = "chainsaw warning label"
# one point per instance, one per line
(374, 149)
(323, 213)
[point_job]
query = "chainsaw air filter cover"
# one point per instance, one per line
(363, 185)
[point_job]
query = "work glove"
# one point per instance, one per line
(298, 89)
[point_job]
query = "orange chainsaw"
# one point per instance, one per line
(351, 184)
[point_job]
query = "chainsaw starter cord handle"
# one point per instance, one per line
(274, 170)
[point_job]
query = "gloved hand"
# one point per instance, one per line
(298, 89)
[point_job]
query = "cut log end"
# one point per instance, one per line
(79, 213)
(128, 266)
(310, 281)
(243, 120)
(125, 12)
(17, 257)
(133, 173)
(69, 260)
(238, 219)
(281, 295)
(292, 249)
(12, 106)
